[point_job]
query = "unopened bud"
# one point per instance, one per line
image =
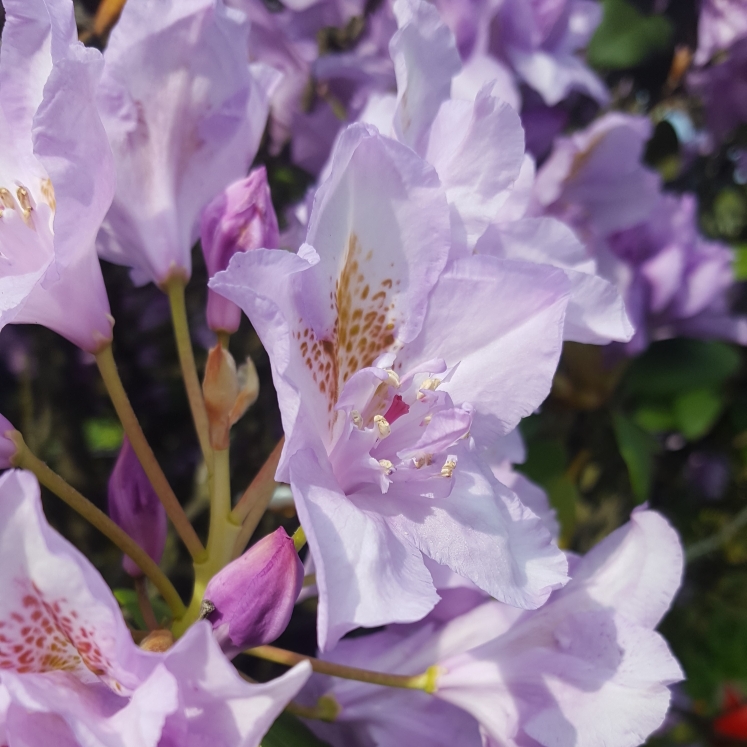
(7, 447)
(228, 393)
(134, 506)
(239, 219)
(249, 602)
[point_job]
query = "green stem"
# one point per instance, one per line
(25, 459)
(253, 503)
(221, 539)
(299, 539)
(425, 681)
(174, 287)
(143, 602)
(326, 709)
(141, 447)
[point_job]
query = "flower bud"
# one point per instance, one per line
(228, 393)
(135, 507)
(237, 220)
(7, 447)
(249, 602)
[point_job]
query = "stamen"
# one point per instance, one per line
(387, 465)
(393, 378)
(448, 469)
(427, 418)
(7, 199)
(48, 191)
(25, 202)
(355, 416)
(382, 425)
(428, 385)
(423, 461)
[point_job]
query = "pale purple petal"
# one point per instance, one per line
(184, 114)
(425, 60)
(506, 357)
(366, 575)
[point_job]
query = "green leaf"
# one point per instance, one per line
(288, 731)
(637, 449)
(102, 435)
(127, 599)
(672, 367)
(655, 418)
(696, 412)
(740, 262)
(563, 495)
(626, 37)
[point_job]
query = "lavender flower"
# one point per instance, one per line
(70, 672)
(364, 339)
(184, 113)
(134, 505)
(721, 23)
(7, 447)
(587, 667)
(57, 178)
(250, 601)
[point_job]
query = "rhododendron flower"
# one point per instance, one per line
(721, 23)
(57, 177)
(184, 112)
(70, 672)
(675, 281)
(386, 364)
(586, 669)
(488, 187)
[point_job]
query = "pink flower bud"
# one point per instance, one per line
(134, 505)
(237, 220)
(250, 601)
(7, 447)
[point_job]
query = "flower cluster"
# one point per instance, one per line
(420, 316)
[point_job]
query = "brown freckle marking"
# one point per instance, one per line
(387, 283)
(380, 294)
(364, 293)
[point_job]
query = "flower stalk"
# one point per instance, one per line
(250, 508)
(174, 288)
(25, 459)
(425, 681)
(120, 400)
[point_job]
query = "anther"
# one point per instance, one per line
(48, 191)
(393, 378)
(387, 465)
(25, 202)
(423, 461)
(428, 385)
(448, 469)
(355, 416)
(382, 425)
(7, 199)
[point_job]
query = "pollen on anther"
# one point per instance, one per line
(387, 466)
(448, 469)
(382, 426)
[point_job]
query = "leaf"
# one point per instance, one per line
(672, 367)
(127, 599)
(696, 412)
(563, 495)
(102, 435)
(288, 731)
(740, 262)
(637, 449)
(655, 418)
(626, 37)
